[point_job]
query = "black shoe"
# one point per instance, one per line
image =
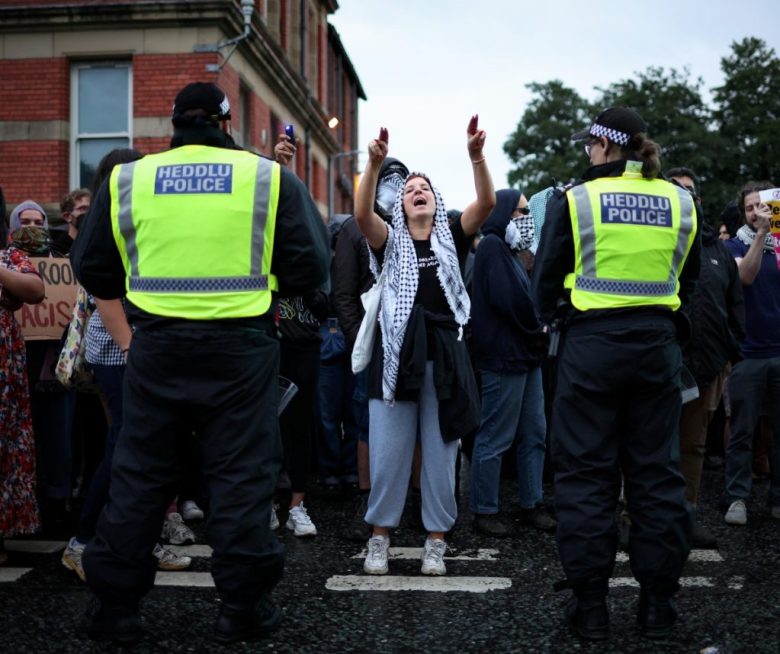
(702, 538)
(120, 625)
(538, 518)
(656, 616)
(588, 617)
(237, 623)
(358, 531)
(489, 524)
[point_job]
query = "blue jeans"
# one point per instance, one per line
(512, 409)
(749, 383)
(337, 446)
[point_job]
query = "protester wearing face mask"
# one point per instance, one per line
(52, 407)
(506, 339)
(19, 283)
(29, 229)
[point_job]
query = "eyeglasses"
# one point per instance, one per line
(521, 211)
(589, 145)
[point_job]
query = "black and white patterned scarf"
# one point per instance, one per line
(402, 277)
(747, 236)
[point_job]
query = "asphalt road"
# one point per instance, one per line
(497, 597)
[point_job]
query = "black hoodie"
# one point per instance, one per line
(505, 324)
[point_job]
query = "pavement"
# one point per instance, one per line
(497, 596)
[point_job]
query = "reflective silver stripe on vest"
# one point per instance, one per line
(587, 231)
(260, 214)
(254, 282)
(588, 281)
(687, 213)
(125, 183)
(198, 285)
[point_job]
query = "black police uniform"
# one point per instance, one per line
(616, 408)
(217, 378)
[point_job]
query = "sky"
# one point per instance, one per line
(427, 65)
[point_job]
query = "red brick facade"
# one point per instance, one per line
(35, 128)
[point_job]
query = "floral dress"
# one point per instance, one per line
(18, 506)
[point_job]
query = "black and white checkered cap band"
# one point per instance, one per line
(621, 138)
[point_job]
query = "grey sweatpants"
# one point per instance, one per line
(392, 436)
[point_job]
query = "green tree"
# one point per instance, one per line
(540, 147)
(747, 114)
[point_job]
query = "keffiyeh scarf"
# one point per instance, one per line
(747, 236)
(402, 277)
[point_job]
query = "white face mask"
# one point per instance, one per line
(520, 233)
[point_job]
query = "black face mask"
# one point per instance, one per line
(386, 193)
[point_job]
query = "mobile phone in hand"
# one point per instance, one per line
(290, 131)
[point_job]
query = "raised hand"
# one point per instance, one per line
(377, 149)
(284, 150)
(476, 139)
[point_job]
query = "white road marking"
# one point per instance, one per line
(432, 584)
(183, 578)
(35, 546)
(687, 582)
(696, 556)
(415, 553)
(736, 583)
(12, 574)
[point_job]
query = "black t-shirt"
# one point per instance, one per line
(429, 290)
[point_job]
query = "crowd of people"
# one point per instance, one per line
(565, 330)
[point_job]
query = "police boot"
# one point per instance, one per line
(586, 611)
(120, 625)
(657, 611)
(237, 623)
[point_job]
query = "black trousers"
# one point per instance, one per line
(221, 384)
(300, 363)
(617, 408)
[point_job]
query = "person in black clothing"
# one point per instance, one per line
(616, 278)
(716, 311)
(217, 375)
(507, 337)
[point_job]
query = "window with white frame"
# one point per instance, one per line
(101, 116)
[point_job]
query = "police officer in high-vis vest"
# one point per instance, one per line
(198, 240)
(618, 253)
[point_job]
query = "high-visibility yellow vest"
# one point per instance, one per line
(631, 238)
(195, 230)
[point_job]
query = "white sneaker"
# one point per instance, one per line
(274, 517)
(433, 557)
(737, 513)
(300, 523)
(168, 560)
(191, 511)
(175, 532)
(376, 559)
(71, 557)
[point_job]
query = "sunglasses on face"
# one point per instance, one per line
(521, 211)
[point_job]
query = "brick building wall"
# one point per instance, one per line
(36, 121)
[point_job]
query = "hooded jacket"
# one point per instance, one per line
(506, 331)
(716, 311)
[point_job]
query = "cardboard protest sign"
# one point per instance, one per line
(772, 198)
(47, 320)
